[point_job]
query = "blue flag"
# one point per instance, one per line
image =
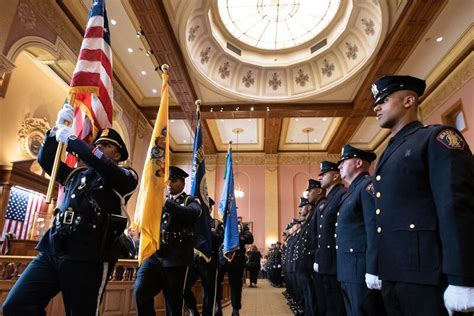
(202, 228)
(228, 211)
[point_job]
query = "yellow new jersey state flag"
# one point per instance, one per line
(151, 197)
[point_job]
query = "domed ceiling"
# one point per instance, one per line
(281, 50)
(293, 75)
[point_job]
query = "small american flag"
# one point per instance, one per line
(23, 207)
(92, 78)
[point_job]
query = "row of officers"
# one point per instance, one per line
(400, 243)
(397, 243)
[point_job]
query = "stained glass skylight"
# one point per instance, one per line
(276, 24)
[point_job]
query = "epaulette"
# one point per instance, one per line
(73, 172)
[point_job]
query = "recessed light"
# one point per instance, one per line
(222, 120)
(315, 140)
(185, 141)
(297, 119)
(439, 39)
(249, 120)
(113, 22)
(172, 121)
(130, 50)
(143, 72)
(325, 119)
(251, 109)
(154, 91)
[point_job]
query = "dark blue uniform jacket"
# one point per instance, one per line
(425, 184)
(355, 232)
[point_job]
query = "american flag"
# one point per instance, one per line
(92, 78)
(23, 207)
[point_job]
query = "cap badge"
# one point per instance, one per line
(105, 132)
(375, 90)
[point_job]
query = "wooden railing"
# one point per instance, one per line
(118, 296)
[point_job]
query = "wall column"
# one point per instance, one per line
(211, 164)
(271, 199)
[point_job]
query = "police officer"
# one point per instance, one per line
(304, 263)
(325, 257)
(77, 254)
(166, 269)
(424, 198)
(355, 236)
(206, 271)
(316, 196)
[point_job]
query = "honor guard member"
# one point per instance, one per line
(167, 268)
(325, 257)
(355, 236)
(235, 268)
(206, 271)
(77, 254)
(304, 264)
(425, 207)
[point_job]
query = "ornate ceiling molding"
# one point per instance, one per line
(349, 46)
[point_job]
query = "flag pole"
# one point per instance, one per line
(57, 160)
(198, 105)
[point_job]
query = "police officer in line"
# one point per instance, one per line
(167, 268)
(325, 257)
(206, 271)
(77, 254)
(356, 236)
(289, 267)
(316, 196)
(304, 263)
(425, 207)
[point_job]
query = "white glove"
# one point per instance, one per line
(373, 282)
(459, 299)
(65, 114)
(316, 267)
(63, 133)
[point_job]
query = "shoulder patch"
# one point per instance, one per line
(369, 188)
(451, 139)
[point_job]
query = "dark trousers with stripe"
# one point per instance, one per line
(208, 274)
(81, 283)
(152, 278)
(360, 301)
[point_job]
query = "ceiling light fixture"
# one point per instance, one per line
(172, 121)
(222, 109)
(308, 130)
(297, 119)
(143, 72)
(212, 110)
(130, 50)
(252, 108)
(439, 39)
(268, 109)
(113, 22)
(154, 91)
(140, 33)
(325, 119)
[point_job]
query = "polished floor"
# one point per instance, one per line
(264, 300)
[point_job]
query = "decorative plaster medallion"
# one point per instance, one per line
(205, 55)
(31, 134)
(192, 32)
(27, 16)
(369, 26)
(352, 50)
(275, 82)
(328, 68)
(302, 78)
(248, 79)
(224, 70)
